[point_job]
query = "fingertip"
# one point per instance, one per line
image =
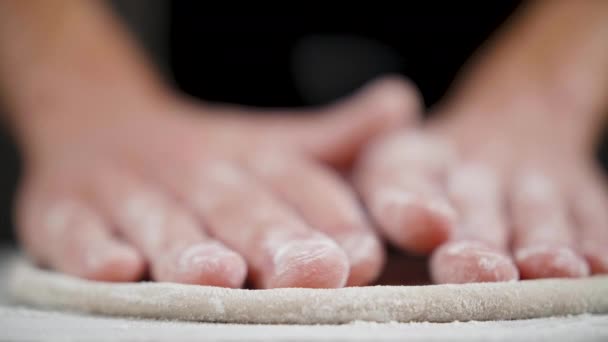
(310, 264)
(205, 263)
(469, 261)
(366, 256)
(544, 261)
(116, 263)
(598, 262)
(596, 255)
(395, 98)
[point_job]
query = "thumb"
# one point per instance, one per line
(335, 133)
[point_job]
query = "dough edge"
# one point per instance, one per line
(426, 303)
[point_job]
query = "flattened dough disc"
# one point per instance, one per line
(432, 303)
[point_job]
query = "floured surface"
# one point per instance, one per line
(21, 324)
(430, 303)
(18, 323)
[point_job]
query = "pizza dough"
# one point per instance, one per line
(432, 303)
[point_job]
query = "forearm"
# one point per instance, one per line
(63, 60)
(552, 56)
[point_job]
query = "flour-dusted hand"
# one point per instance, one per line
(524, 203)
(503, 179)
(123, 177)
(198, 196)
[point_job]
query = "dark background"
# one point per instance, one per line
(295, 60)
(249, 58)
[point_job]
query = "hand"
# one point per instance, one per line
(203, 194)
(505, 193)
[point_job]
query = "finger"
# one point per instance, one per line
(544, 244)
(399, 179)
(67, 235)
(590, 207)
(328, 205)
(280, 249)
(166, 234)
(478, 251)
(336, 133)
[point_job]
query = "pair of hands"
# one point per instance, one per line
(220, 197)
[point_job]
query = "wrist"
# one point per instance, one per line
(70, 67)
(83, 117)
(544, 69)
(524, 109)
(504, 90)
